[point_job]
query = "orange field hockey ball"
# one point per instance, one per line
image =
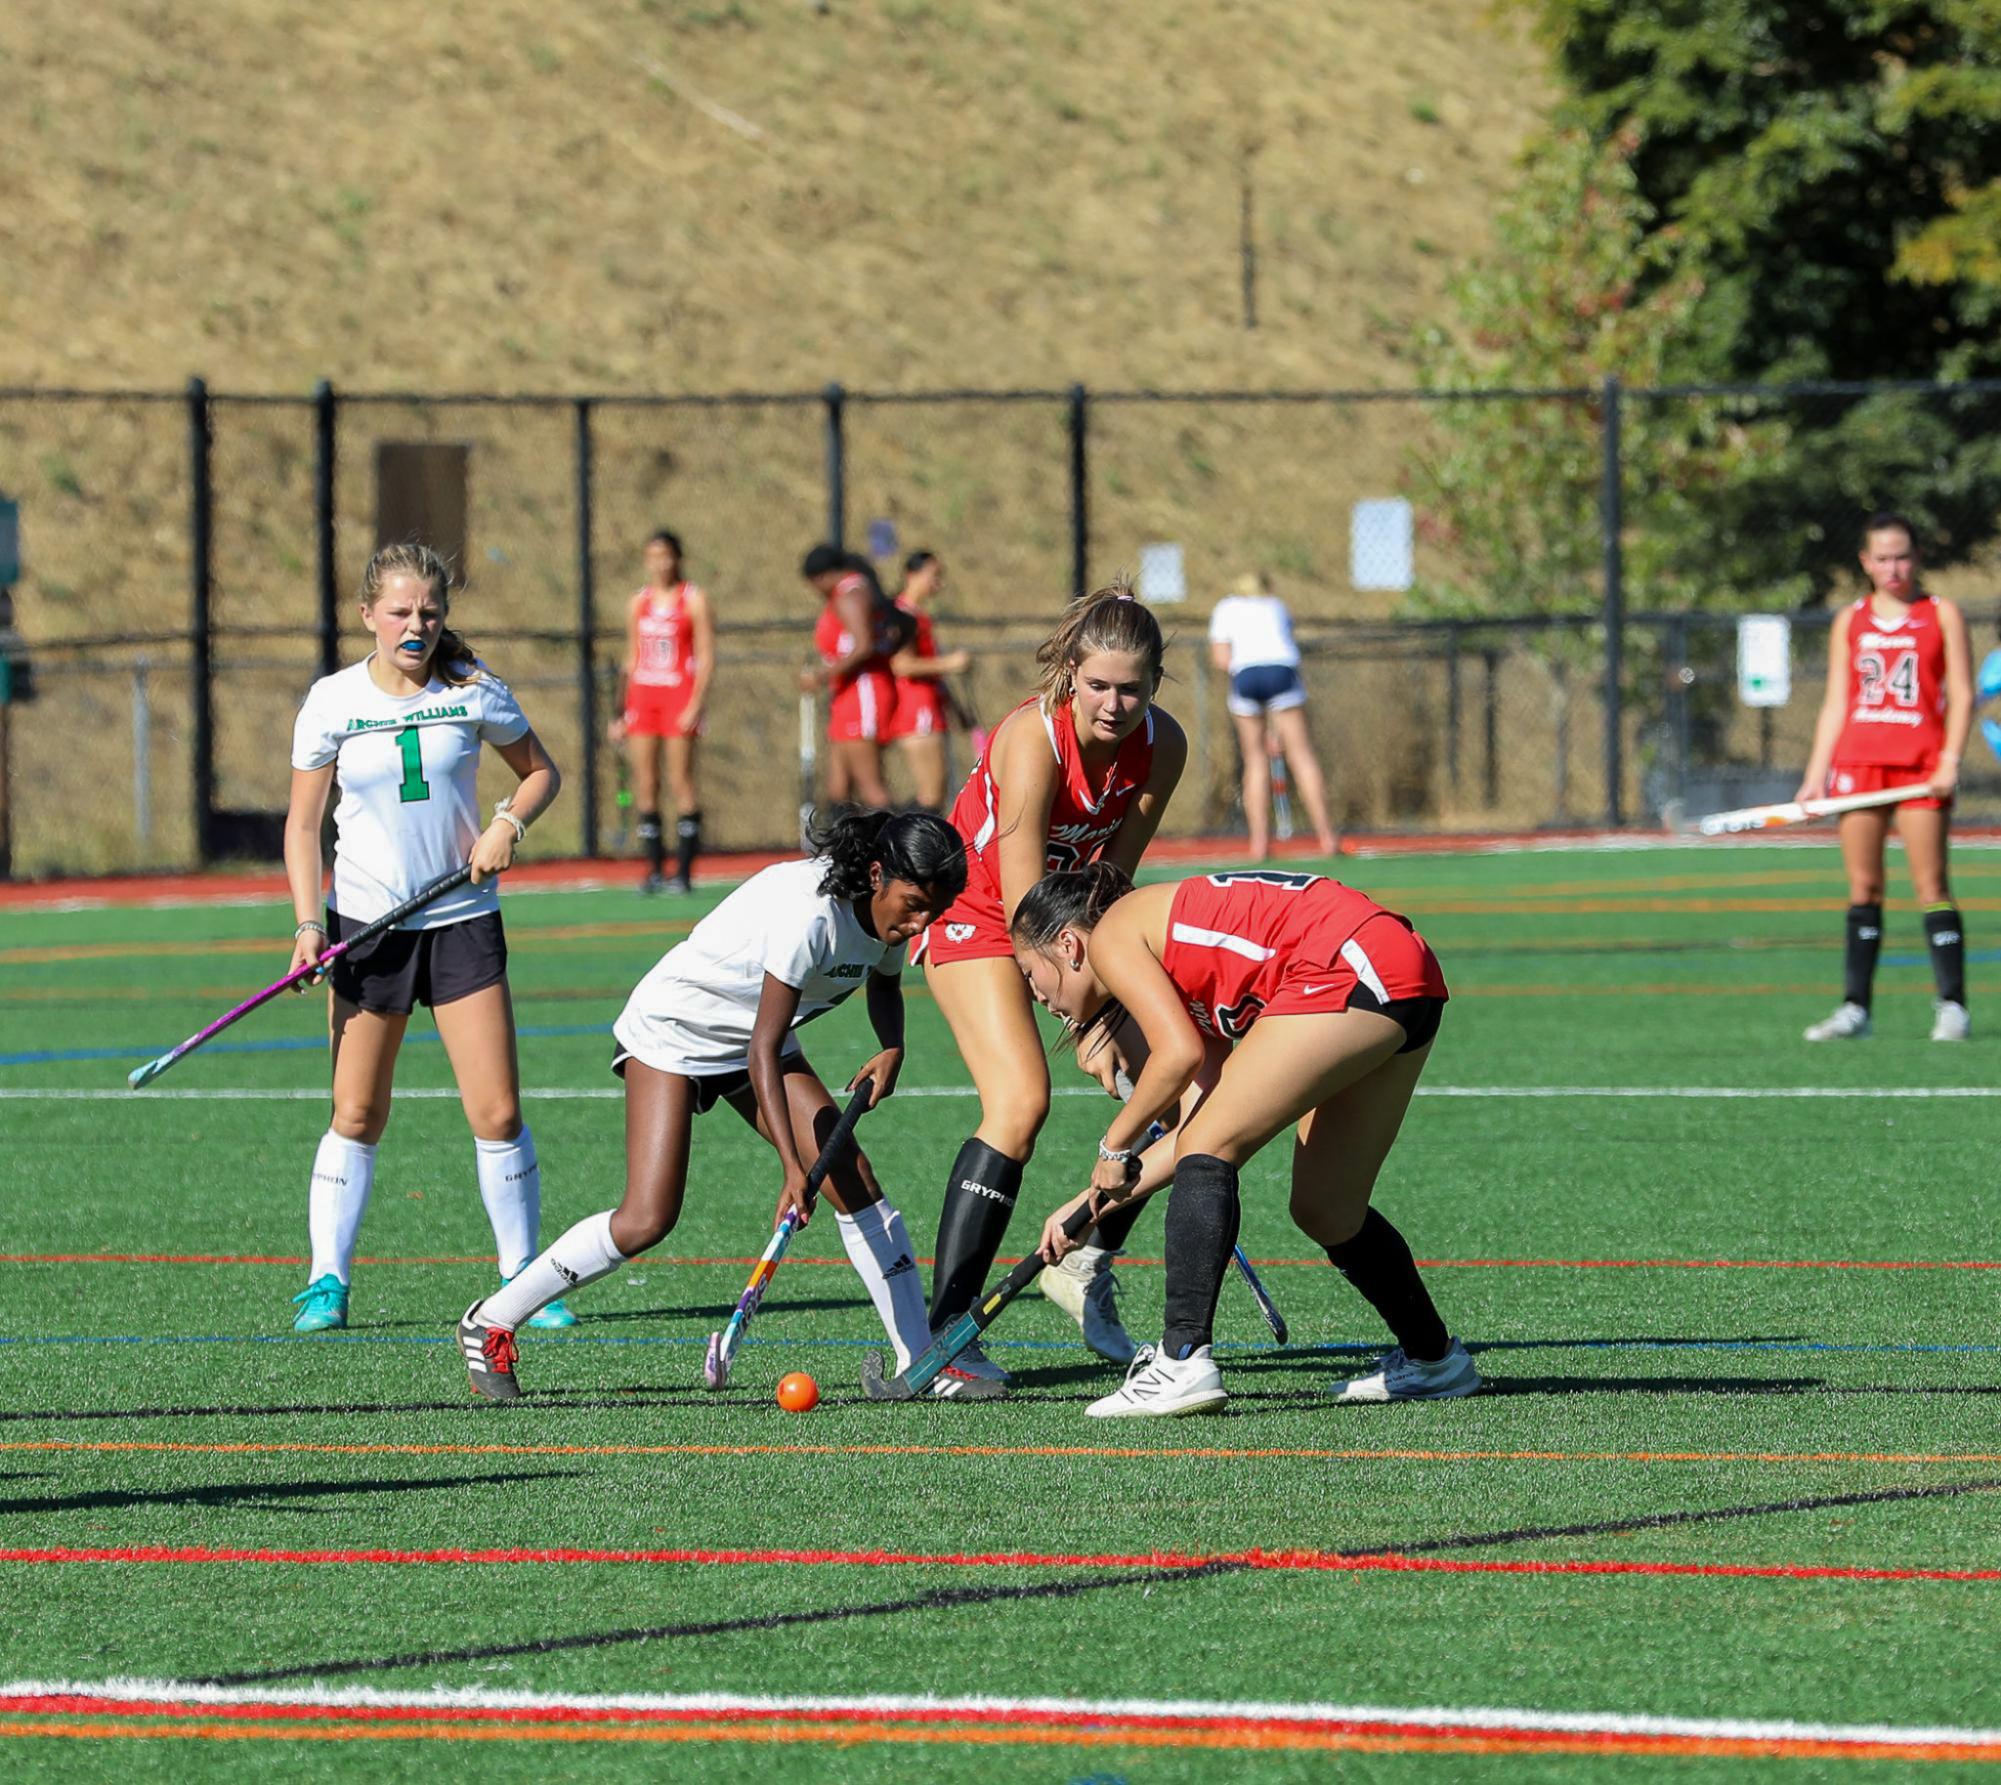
(798, 1392)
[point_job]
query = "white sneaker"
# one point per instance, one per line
(1084, 1288)
(1400, 1377)
(1159, 1387)
(1949, 1022)
(974, 1362)
(1850, 1022)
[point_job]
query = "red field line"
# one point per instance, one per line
(1433, 1264)
(96, 1719)
(250, 1447)
(1282, 1561)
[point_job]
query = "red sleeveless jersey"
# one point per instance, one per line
(666, 638)
(1242, 943)
(1084, 817)
(1896, 688)
(833, 640)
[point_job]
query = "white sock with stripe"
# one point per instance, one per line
(510, 1184)
(879, 1248)
(582, 1255)
(343, 1175)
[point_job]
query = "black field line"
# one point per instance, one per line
(943, 1599)
(268, 1495)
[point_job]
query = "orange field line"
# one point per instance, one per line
(118, 1447)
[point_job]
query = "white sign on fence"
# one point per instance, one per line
(1764, 660)
(1379, 545)
(1161, 574)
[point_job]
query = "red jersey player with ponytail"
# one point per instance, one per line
(856, 635)
(670, 654)
(1266, 1001)
(1082, 770)
(1898, 708)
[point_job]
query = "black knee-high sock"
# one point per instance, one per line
(1379, 1264)
(979, 1198)
(1865, 942)
(1948, 951)
(687, 840)
(1202, 1217)
(1115, 1224)
(649, 834)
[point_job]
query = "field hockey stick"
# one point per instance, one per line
(1760, 818)
(146, 1074)
(1266, 1306)
(1281, 788)
(723, 1346)
(938, 1355)
(809, 751)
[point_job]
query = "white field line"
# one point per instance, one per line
(120, 1691)
(594, 1093)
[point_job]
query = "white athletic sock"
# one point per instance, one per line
(510, 1184)
(343, 1175)
(879, 1248)
(581, 1256)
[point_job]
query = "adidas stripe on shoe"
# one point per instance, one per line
(489, 1355)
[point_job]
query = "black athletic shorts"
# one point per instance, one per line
(400, 969)
(712, 1088)
(1417, 1017)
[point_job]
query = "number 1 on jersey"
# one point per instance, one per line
(414, 787)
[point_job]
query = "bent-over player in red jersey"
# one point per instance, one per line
(1266, 1001)
(1898, 707)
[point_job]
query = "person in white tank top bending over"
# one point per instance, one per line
(1250, 640)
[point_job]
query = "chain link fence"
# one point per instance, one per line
(191, 564)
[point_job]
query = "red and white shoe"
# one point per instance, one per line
(489, 1355)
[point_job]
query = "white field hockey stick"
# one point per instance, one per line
(723, 1346)
(809, 754)
(146, 1074)
(1763, 818)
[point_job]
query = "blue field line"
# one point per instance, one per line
(1975, 957)
(1767, 1347)
(286, 1044)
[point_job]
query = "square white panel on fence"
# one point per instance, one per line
(1379, 544)
(1764, 660)
(1161, 574)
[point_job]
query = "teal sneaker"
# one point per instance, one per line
(322, 1306)
(551, 1316)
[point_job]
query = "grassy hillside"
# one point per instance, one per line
(699, 194)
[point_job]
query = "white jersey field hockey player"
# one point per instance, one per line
(403, 731)
(718, 1020)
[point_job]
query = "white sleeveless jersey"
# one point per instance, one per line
(1258, 630)
(694, 1012)
(408, 769)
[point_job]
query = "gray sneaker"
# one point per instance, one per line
(1950, 1021)
(1400, 1377)
(1084, 1288)
(974, 1362)
(1850, 1022)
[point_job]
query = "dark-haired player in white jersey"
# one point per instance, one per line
(717, 1020)
(402, 730)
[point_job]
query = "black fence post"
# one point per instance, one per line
(201, 533)
(837, 468)
(323, 526)
(1080, 491)
(1453, 716)
(587, 706)
(1610, 522)
(1490, 728)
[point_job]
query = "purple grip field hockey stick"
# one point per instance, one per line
(723, 1346)
(147, 1073)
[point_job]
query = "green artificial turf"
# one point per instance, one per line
(1810, 1417)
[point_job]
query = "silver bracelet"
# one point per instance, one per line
(501, 809)
(311, 923)
(1115, 1155)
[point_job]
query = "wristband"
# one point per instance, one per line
(501, 810)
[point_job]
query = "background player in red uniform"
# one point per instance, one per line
(923, 706)
(1898, 707)
(855, 644)
(1327, 1005)
(1084, 769)
(670, 655)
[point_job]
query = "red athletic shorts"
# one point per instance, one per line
(918, 713)
(653, 710)
(1385, 957)
(1874, 777)
(859, 711)
(973, 928)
